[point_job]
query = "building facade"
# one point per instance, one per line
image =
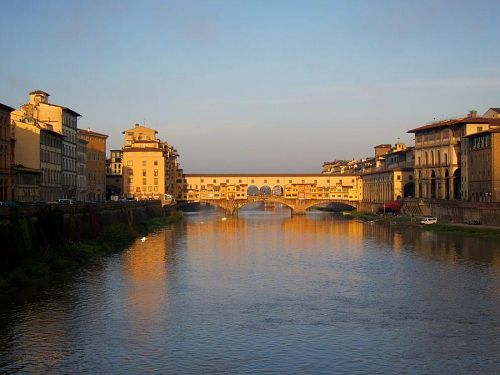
(96, 164)
(150, 167)
(115, 162)
(441, 169)
(59, 119)
(50, 164)
(391, 177)
(483, 158)
(7, 147)
(81, 170)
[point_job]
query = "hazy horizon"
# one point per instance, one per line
(256, 86)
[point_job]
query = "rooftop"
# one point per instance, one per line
(457, 121)
(487, 131)
(91, 132)
(6, 108)
(39, 92)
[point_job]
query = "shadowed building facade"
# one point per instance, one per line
(7, 144)
(483, 158)
(96, 164)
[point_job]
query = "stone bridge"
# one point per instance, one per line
(297, 191)
(297, 206)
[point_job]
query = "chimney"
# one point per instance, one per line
(473, 113)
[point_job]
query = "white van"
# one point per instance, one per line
(429, 220)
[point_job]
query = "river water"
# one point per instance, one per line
(268, 293)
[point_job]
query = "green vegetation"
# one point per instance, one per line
(462, 230)
(55, 262)
(364, 216)
(436, 228)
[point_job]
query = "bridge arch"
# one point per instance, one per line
(278, 190)
(252, 191)
(194, 206)
(265, 190)
(270, 199)
(311, 203)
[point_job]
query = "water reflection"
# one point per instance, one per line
(266, 292)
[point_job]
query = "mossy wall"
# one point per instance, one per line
(28, 234)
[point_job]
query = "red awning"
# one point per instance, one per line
(393, 205)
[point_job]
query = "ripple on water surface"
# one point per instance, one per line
(269, 293)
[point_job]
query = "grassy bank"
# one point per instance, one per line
(462, 230)
(436, 228)
(57, 262)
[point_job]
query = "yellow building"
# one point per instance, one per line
(150, 167)
(96, 164)
(7, 143)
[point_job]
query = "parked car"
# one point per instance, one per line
(9, 204)
(65, 201)
(429, 220)
(474, 222)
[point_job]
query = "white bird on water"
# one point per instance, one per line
(143, 239)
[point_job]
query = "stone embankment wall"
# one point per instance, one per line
(27, 230)
(455, 211)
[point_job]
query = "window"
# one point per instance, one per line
(144, 173)
(144, 181)
(130, 163)
(144, 163)
(155, 181)
(156, 172)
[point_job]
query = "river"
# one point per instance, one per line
(268, 293)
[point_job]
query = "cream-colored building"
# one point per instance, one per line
(38, 159)
(388, 185)
(441, 169)
(7, 146)
(62, 120)
(391, 178)
(115, 163)
(150, 167)
(96, 164)
(27, 156)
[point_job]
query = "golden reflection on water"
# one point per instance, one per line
(190, 266)
(146, 276)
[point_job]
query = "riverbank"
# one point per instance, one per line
(458, 229)
(56, 262)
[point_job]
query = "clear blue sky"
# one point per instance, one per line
(256, 85)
